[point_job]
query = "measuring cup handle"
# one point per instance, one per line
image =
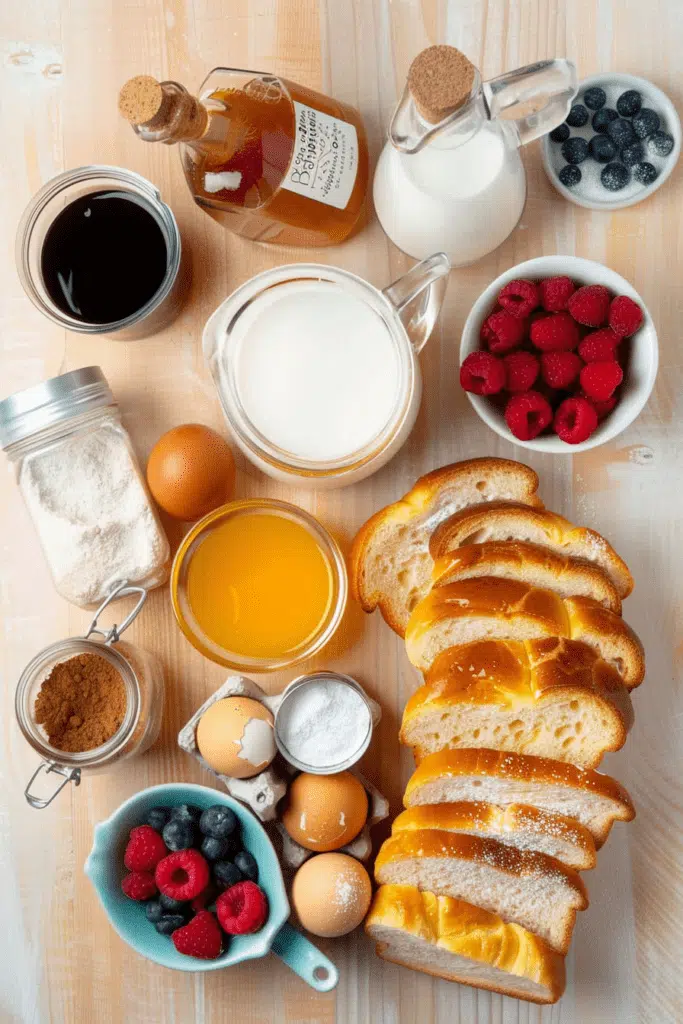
(426, 278)
(304, 959)
(555, 79)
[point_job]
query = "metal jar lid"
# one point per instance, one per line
(54, 400)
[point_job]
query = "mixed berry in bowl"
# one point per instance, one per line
(553, 356)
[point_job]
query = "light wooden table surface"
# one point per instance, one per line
(61, 63)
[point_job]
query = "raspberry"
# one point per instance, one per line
(560, 369)
(625, 316)
(502, 331)
(522, 369)
(242, 908)
(528, 414)
(482, 374)
(201, 937)
(556, 292)
(575, 420)
(599, 346)
(555, 333)
(139, 885)
(182, 875)
(599, 380)
(590, 305)
(602, 408)
(145, 849)
(519, 298)
(205, 898)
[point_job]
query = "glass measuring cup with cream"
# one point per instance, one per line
(317, 370)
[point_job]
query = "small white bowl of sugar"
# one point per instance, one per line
(324, 723)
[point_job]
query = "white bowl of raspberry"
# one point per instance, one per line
(559, 354)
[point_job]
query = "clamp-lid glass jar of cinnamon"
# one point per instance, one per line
(122, 692)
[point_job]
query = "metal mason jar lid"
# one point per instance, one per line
(54, 400)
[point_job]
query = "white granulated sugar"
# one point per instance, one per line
(94, 519)
(323, 723)
(217, 181)
(345, 893)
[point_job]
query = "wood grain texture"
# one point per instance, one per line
(61, 63)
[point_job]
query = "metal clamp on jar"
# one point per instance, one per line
(142, 679)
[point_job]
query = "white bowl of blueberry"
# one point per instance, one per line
(618, 144)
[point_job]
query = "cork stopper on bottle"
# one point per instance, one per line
(440, 80)
(163, 108)
(141, 99)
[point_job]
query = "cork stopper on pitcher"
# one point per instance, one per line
(162, 107)
(440, 80)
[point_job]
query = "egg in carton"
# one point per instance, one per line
(262, 792)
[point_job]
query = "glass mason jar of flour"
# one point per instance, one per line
(80, 479)
(318, 371)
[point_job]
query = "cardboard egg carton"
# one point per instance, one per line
(263, 792)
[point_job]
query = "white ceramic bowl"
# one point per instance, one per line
(596, 198)
(641, 364)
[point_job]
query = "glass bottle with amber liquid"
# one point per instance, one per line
(269, 159)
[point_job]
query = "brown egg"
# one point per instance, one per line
(235, 737)
(331, 894)
(191, 471)
(325, 812)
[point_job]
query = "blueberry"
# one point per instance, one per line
(577, 116)
(154, 911)
(215, 849)
(633, 153)
(595, 97)
(645, 173)
(570, 175)
(178, 835)
(621, 132)
(170, 923)
(187, 813)
(629, 103)
(575, 150)
(645, 123)
(218, 821)
(226, 873)
(247, 865)
(560, 133)
(158, 816)
(172, 906)
(602, 149)
(615, 176)
(603, 117)
(660, 144)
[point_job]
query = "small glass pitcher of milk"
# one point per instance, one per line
(317, 370)
(450, 177)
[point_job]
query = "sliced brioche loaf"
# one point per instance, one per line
(527, 888)
(501, 521)
(458, 942)
(526, 828)
(529, 563)
(552, 697)
(500, 609)
(595, 800)
(390, 563)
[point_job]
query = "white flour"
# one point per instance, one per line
(324, 723)
(93, 516)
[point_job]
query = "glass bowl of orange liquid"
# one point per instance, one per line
(258, 585)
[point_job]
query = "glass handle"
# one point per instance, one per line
(425, 281)
(553, 83)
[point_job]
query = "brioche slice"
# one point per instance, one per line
(390, 564)
(458, 942)
(595, 800)
(510, 521)
(527, 888)
(497, 609)
(552, 697)
(529, 563)
(525, 828)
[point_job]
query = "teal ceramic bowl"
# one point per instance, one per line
(104, 867)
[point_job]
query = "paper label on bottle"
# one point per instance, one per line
(324, 163)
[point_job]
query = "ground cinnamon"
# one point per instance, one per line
(81, 704)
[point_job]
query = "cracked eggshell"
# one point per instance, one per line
(235, 737)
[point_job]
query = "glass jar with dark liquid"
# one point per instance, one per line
(99, 253)
(271, 160)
